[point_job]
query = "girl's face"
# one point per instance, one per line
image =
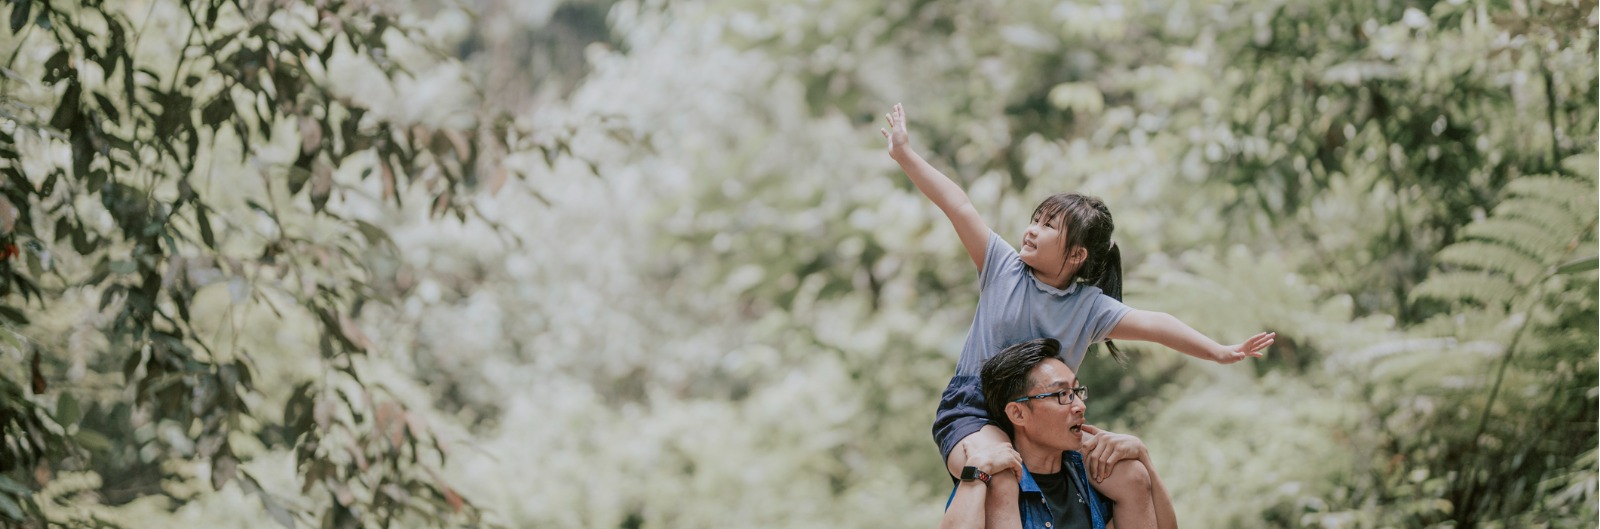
(1044, 244)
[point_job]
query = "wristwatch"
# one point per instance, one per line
(971, 473)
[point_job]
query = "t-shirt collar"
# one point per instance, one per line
(1046, 288)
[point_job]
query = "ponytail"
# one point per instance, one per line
(1110, 278)
(1109, 281)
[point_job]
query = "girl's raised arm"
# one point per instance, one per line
(950, 198)
(1164, 329)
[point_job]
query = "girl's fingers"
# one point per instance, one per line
(885, 132)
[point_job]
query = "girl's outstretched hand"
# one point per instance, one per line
(1249, 349)
(899, 138)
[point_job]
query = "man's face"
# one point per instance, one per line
(1046, 421)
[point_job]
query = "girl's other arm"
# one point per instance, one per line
(1164, 329)
(950, 198)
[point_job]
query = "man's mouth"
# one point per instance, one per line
(1076, 429)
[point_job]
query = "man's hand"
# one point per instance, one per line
(1249, 349)
(994, 459)
(899, 138)
(1102, 450)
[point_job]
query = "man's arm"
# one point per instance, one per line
(966, 506)
(967, 509)
(1165, 329)
(939, 189)
(1142, 500)
(1166, 516)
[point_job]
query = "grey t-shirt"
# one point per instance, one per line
(1015, 307)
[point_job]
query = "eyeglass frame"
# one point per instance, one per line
(1078, 393)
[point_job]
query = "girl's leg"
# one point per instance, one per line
(1000, 508)
(1129, 486)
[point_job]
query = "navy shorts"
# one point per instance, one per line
(961, 413)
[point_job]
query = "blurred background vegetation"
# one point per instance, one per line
(637, 263)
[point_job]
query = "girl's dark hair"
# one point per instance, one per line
(1088, 224)
(1005, 376)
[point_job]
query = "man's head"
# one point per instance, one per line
(1033, 394)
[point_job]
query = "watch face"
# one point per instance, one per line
(969, 473)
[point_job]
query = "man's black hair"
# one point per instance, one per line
(1005, 376)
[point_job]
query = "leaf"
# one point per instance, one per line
(353, 334)
(92, 440)
(204, 221)
(223, 467)
(1525, 237)
(9, 506)
(1492, 257)
(375, 236)
(310, 135)
(107, 107)
(1486, 288)
(39, 386)
(67, 411)
(131, 364)
(1579, 265)
(441, 203)
(217, 111)
(67, 112)
(297, 413)
(277, 512)
(7, 485)
(19, 17)
(14, 315)
(321, 184)
(388, 178)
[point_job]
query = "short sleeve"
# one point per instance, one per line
(997, 257)
(1105, 313)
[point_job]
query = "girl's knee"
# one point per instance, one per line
(982, 439)
(1129, 480)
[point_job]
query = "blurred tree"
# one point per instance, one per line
(1431, 107)
(116, 137)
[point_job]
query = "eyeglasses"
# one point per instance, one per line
(1063, 397)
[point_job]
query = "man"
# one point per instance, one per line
(1036, 399)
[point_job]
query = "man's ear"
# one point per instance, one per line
(1017, 413)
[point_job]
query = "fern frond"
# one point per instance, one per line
(1560, 222)
(1571, 194)
(1483, 287)
(1526, 237)
(1493, 258)
(1585, 165)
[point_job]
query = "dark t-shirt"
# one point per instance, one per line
(1063, 494)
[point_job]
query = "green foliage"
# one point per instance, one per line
(748, 321)
(127, 134)
(1545, 342)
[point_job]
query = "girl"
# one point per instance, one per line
(1063, 283)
